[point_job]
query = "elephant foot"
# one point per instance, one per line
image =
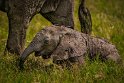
(15, 44)
(13, 49)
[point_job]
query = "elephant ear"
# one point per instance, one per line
(50, 5)
(71, 45)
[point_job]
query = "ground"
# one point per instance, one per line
(107, 17)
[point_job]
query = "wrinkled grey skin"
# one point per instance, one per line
(68, 46)
(20, 13)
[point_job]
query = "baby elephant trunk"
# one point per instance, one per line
(30, 49)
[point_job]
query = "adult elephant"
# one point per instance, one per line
(20, 13)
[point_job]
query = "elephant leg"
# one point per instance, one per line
(18, 23)
(85, 18)
(79, 60)
(63, 63)
(19, 15)
(63, 15)
(58, 20)
(17, 34)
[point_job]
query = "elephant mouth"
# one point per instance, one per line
(37, 53)
(44, 56)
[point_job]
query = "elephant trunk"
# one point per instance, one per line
(25, 54)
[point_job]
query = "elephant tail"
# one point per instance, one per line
(85, 18)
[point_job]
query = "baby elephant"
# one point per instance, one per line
(67, 46)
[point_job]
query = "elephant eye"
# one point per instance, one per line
(46, 41)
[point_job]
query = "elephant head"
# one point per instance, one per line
(44, 43)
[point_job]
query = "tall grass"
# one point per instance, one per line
(107, 17)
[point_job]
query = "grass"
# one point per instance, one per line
(107, 16)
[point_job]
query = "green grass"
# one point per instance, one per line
(107, 16)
